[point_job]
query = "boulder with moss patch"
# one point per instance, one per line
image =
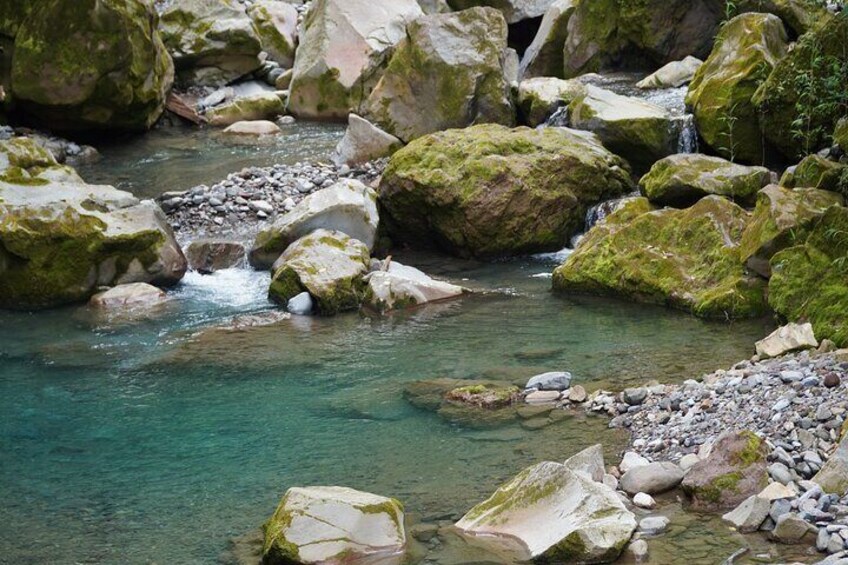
(810, 281)
(259, 106)
(539, 98)
(686, 259)
(721, 94)
(799, 16)
(840, 134)
(557, 514)
(486, 395)
(276, 25)
(329, 265)
(543, 58)
(815, 171)
(734, 470)
(448, 72)
(314, 525)
(92, 64)
(342, 52)
(400, 286)
(492, 191)
(782, 218)
(681, 180)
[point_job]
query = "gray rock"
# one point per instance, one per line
(590, 462)
(653, 525)
(635, 396)
(653, 478)
(300, 304)
(363, 141)
(748, 516)
(790, 529)
(556, 380)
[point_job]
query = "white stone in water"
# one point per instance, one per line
(784, 339)
(301, 304)
(653, 525)
(631, 460)
(542, 397)
(638, 549)
(644, 500)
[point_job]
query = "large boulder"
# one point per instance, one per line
(556, 513)
(800, 102)
(347, 206)
(799, 16)
(61, 239)
(213, 42)
(329, 265)
(782, 218)
(815, 171)
(539, 98)
(543, 57)
(513, 10)
(721, 94)
(363, 141)
(681, 180)
(448, 72)
(686, 259)
(276, 25)
(786, 339)
(809, 282)
(653, 478)
(734, 470)
(342, 50)
(322, 525)
(400, 287)
(132, 296)
(92, 64)
(637, 130)
(491, 191)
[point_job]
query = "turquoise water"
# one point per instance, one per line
(158, 440)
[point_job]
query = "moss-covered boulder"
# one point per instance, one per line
(540, 97)
(686, 259)
(342, 52)
(329, 265)
(61, 239)
(320, 525)
(734, 470)
(840, 134)
(556, 514)
(491, 191)
(92, 64)
(12, 15)
(276, 25)
(681, 180)
(810, 281)
(721, 94)
(799, 16)
(213, 42)
(485, 395)
(543, 57)
(782, 218)
(815, 171)
(259, 106)
(803, 98)
(639, 131)
(448, 72)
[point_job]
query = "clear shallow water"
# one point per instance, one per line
(157, 441)
(178, 158)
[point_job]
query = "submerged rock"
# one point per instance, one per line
(486, 395)
(334, 525)
(672, 75)
(489, 190)
(786, 339)
(363, 141)
(556, 513)
(447, 73)
(132, 295)
(329, 265)
(681, 180)
(348, 206)
(402, 287)
(687, 259)
(253, 127)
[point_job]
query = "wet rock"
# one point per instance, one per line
(262, 106)
(542, 397)
(401, 287)
(210, 255)
(653, 525)
(301, 304)
(638, 549)
(653, 478)
(577, 394)
(484, 395)
(124, 296)
(539, 98)
(253, 127)
(672, 75)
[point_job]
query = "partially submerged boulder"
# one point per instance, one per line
(329, 265)
(809, 282)
(132, 295)
(321, 525)
(686, 259)
(683, 179)
(543, 58)
(348, 206)
(734, 470)
(721, 94)
(363, 141)
(276, 25)
(401, 287)
(556, 513)
(210, 255)
(448, 72)
(213, 42)
(259, 106)
(786, 339)
(253, 128)
(636, 130)
(782, 218)
(672, 75)
(341, 53)
(491, 191)
(485, 395)
(539, 98)
(91, 64)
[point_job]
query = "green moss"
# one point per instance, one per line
(517, 494)
(713, 491)
(485, 395)
(816, 172)
(391, 508)
(276, 549)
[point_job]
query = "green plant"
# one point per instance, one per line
(729, 122)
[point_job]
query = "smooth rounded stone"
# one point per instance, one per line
(319, 524)
(688, 461)
(631, 460)
(635, 396)
(653, 525)
(363, 142)
(556, 380)
(210, 255)
(644, 500)
(542, 397)
(253, 127)
(260, 106)
(831, 380)
(590, 462)
(301, 304)
(348, 206)
(785, 339)
(777, 491)
(789, 528)
(672, 75)
(653, 478)
(571, 516)
(577, 394)
(749, 515)
(132, 295)
(402, 287)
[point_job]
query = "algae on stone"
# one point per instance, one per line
(817, 172)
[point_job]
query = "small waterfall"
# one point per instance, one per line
(599, 212)
(687, 139)
(559, 119)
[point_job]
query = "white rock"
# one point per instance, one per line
(784, 339)
(589, 462)
(363, 141)
(128, 296)
(653, 478)
(672, 75)
(653, 525)
(643, 500)
(301, 304)
(555, 380)
(253, 127)
(638, 549)
(777, 491)
(402, 286)
(688, 460)
(542, 397)
(749, 515)
(631, 460)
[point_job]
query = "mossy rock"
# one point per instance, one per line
(261, 106)
(802, 87)
(799, 16)
(539, 98)
(13, 13)
(721, 94)
(486, 395)
(544, 56)
(687, 259)
(810, 281)
(491, 191)
(817, 172)
(782, 219)
(840, 134)
(681, 180)
(92, 64)
(276, 25)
